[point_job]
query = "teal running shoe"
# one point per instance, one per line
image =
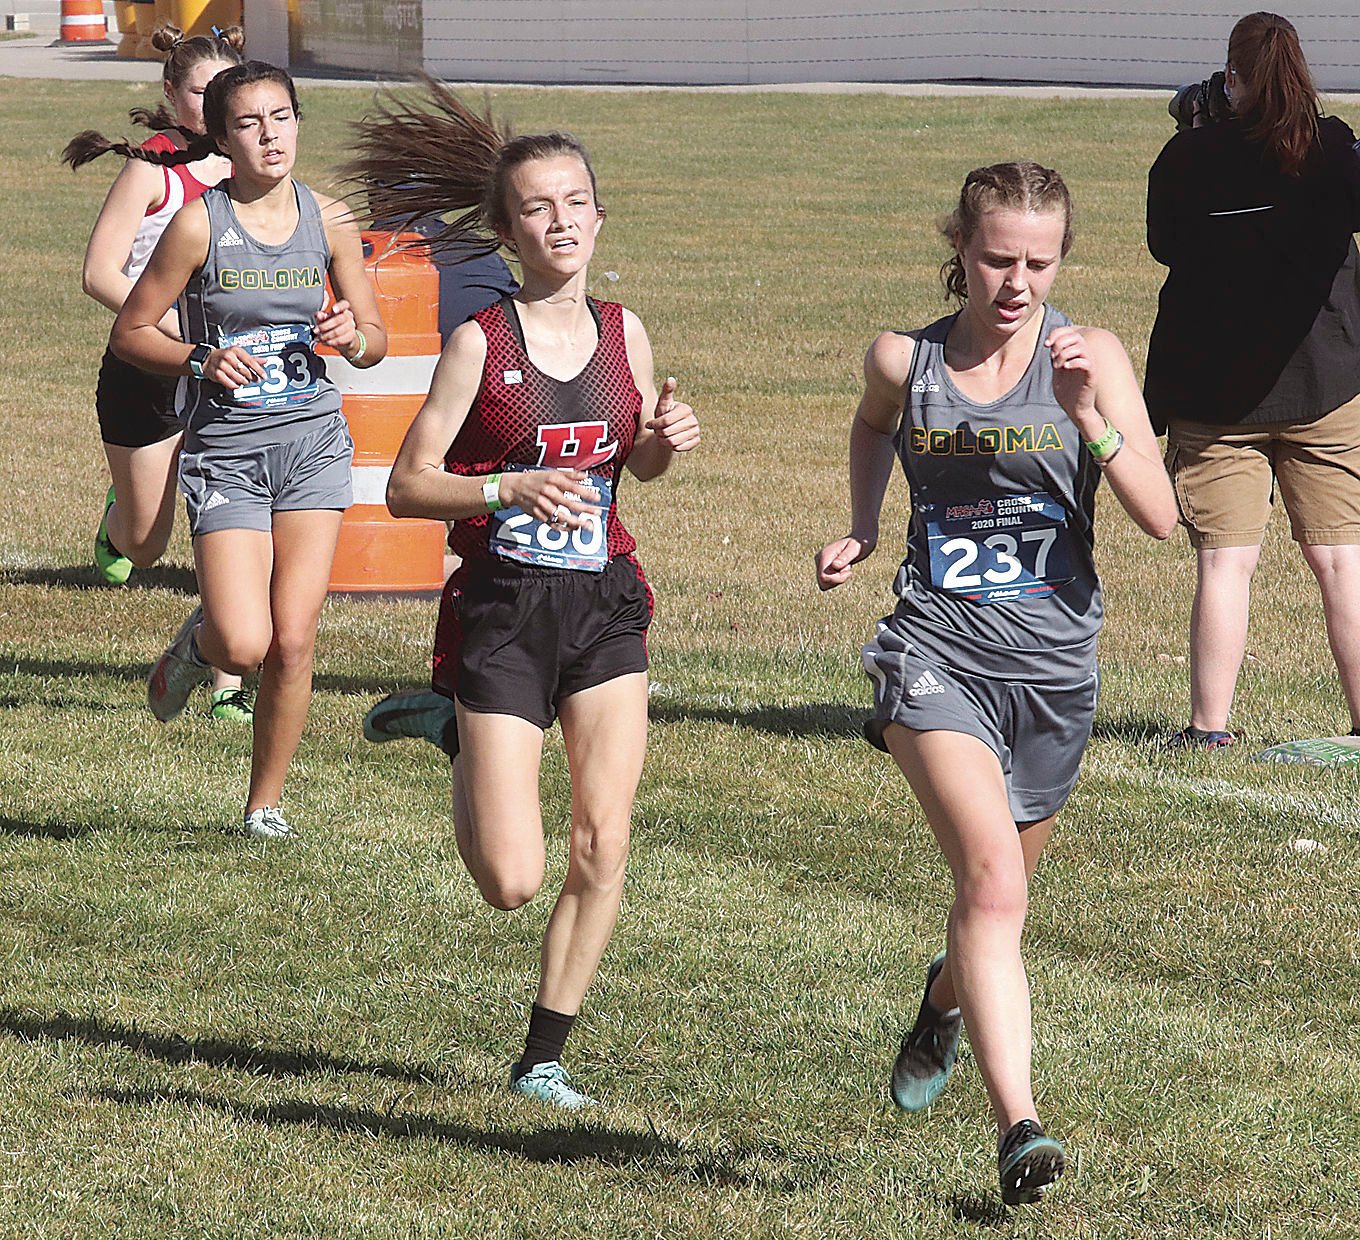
(1029, 1161)
(176, 673)
(926, 1057)
(419, 713)
(268, 823)
(232, 704)
(549, 1082)
(114, 567)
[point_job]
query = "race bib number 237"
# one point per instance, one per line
(999, 549)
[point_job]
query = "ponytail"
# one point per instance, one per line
(181, 55)
(1275, 97)
(438, 157)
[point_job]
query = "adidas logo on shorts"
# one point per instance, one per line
(925, 683)
(228, 238)
(215, 500)
(926, 383)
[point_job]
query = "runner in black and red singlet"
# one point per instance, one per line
(536, 405)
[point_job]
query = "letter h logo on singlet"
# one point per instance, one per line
(575, 445)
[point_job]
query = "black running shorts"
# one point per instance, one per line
(135, 408)
(516, 640)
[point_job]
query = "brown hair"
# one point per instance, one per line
(1017, 186)
(1274, 96)
(436, 156)
(181, 56)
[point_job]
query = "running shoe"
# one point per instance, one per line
(549, 1082)
(1028, 1163)
(233, 704)
(420, 713)
(926, 1056)
(112, 564)
(177, 673)
(1198, 738)
(267, 823)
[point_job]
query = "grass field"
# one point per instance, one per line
(202, 1035)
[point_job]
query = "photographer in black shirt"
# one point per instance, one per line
(1254, 363)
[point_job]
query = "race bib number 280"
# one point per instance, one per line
(999, 549)
(290, 366)
(518, 535)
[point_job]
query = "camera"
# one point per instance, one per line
(1207, 99)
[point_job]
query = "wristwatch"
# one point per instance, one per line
(197, 356)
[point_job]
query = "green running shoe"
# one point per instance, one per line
(112, 564)
(926, 1056)
(232, 704)
(1029, 1161)
(268, 823)
(549, 1082)
(419, 713)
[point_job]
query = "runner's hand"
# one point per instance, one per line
(674, 422)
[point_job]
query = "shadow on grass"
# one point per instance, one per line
(974, 1208)
(179, 578)
(1132, 730)
(216, 1052)
(561, 1144)
(42, 831)
(373, 687)
(814, 719)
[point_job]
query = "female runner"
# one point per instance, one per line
(137, 419)
(1004, 416)
(535, 406)
(266, 463)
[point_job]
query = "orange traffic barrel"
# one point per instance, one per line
(377, 553)
(82, 21)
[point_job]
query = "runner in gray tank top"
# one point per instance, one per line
(1004, 417)
(265, 468)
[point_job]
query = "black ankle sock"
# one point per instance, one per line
(547, 1036)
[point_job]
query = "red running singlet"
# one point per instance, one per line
(522, 416)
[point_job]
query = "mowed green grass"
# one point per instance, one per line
(202, 1035)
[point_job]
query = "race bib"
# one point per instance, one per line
(517, 535)
(291, 369)
(1008, 547)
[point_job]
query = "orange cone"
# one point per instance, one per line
(82, 21)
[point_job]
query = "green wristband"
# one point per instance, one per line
(1107, 445)
(491, 493)
(363, 346)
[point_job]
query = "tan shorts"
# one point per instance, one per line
(1225, 478)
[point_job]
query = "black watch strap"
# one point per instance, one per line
(197, 356)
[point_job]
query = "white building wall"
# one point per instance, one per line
(700, 42)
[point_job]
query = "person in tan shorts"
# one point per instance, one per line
(1254, 362)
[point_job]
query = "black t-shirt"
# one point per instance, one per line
(1259, 318)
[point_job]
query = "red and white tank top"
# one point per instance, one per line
(523, 417)
(180, 186)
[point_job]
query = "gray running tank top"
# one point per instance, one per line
(999, 577)
(263, 298)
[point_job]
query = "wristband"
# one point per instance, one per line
(491, 492)
(1103, 461)
(1107, 445)
(363, 344)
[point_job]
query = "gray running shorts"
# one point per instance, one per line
(1038, 733)
(227, 487)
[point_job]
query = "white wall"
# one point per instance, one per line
(1111, 42)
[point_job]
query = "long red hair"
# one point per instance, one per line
(1274, 96)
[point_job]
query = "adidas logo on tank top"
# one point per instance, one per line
(229, 238)
(926, 383)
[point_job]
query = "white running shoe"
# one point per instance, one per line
(177, 673)
(267, 823)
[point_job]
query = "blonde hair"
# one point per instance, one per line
(1020, 185)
